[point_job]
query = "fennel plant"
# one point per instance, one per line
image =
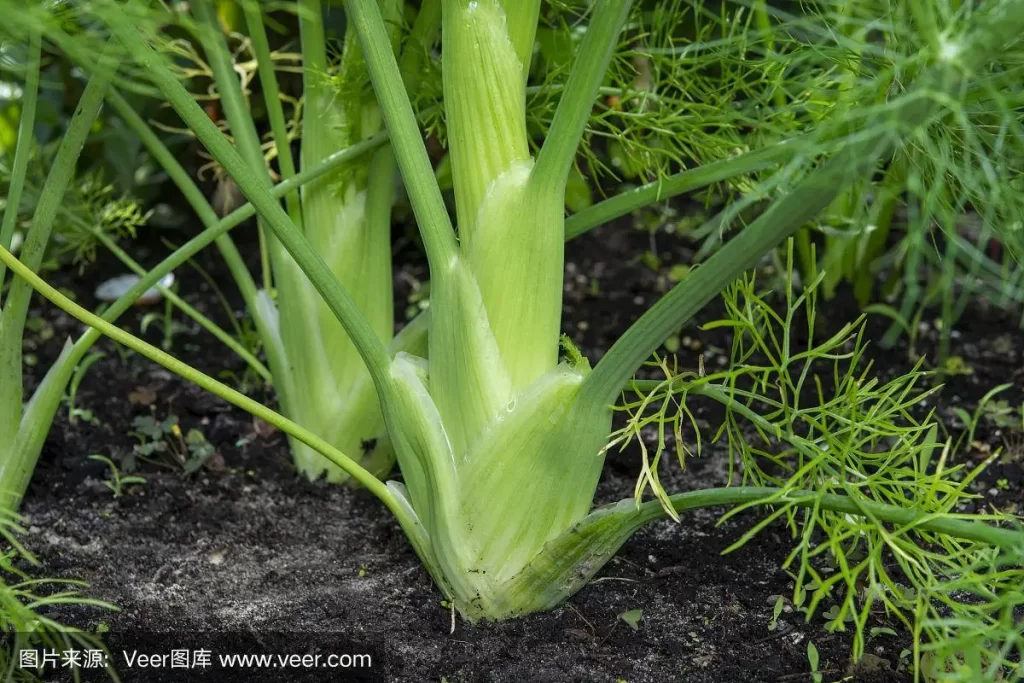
(501, 443)
(345, 212)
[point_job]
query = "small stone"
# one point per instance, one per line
(113, 289)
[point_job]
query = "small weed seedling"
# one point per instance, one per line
(813, 661)
(116, 483)
(165, 322)
(157, 438)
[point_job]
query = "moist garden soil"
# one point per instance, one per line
(243, 554)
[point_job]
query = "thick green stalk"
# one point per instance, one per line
(510, 232)
(574, 108)
(510, 213)
(252, 182)
(15, 311)
(406, 140)
(23, 149)
(522, 17)
(347, 219)
(319, 103)
(240, 121)
(486, 124)
(517, 253)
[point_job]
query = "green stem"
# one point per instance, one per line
(421, 39)
(738, 255)
(406, 140)
(188, 310)
(314, 76)
(718, 394)
(272, 100)
(627, 202)
(522, 17)
(206, 214)
(486, 125)
(236, 110)
(882, 212)
(764, 25)
(375, 486)
(948, 283)
(915, 241)
(574, 108)
(252, 183)
(979, 532)
(23, 149)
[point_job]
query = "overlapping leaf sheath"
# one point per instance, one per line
(499, 451)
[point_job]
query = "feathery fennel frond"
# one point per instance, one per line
(851, 64)
(90, 206)
(809, 417)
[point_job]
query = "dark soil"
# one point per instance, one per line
(243, 553)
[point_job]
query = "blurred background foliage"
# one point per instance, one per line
(938, 227)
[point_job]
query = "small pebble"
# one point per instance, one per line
(113, 289)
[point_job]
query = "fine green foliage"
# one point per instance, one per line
(109, 207)
(501, 442)
(941, 217)
(90, 209)
(970, 620)
(808, 416)
(24, 603)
